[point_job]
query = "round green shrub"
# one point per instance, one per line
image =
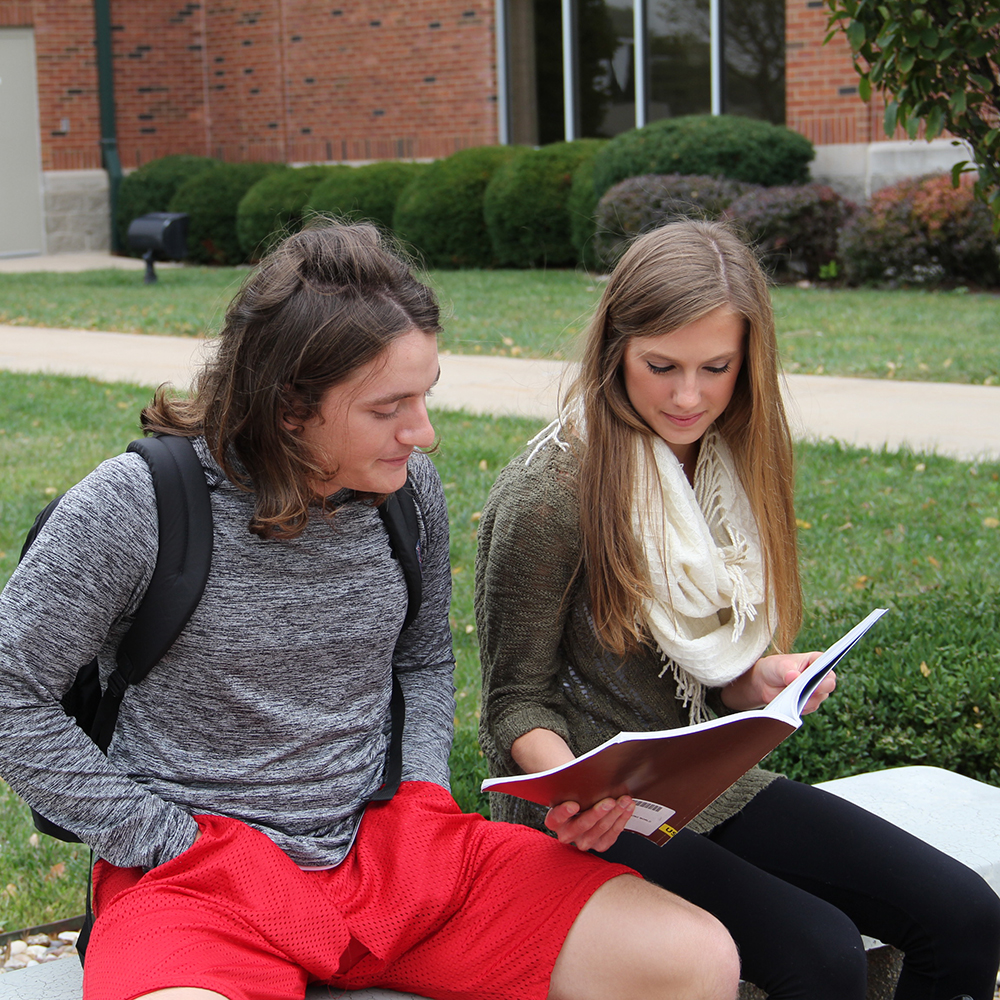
(921, 688)
(368, 192)
(211, 200)
(526, 205)
(795, 227)
(150, 188)
(581, 206)
(441, 211)
(921, 231)
(639, 204)
(275, 207)
(743, 149)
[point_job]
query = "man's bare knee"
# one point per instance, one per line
(182, 993)
(633, 939)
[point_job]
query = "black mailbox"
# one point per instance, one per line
(161, 236)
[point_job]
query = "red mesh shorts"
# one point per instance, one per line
(429, 900)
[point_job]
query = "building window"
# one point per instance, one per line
(679, 58)
(572, 68)
(754, 59)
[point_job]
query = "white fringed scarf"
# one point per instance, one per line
(708, 613)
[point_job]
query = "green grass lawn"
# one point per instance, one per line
(903, 334)
(901, 529)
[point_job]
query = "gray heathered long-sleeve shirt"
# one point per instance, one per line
(271, 706)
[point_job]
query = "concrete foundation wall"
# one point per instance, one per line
(77, 216)
(858, 169)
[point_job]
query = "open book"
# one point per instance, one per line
(676, 773)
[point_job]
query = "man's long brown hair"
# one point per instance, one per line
(667, 279)
(326, 302)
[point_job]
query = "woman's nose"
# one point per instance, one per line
(686, 393)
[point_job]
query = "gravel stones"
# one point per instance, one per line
(37, 948)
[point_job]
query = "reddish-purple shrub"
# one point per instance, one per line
(921, 231)
(794, 227)
(638, 204)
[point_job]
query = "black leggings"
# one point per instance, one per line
(799, 875)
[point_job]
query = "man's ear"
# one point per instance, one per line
(295, 413)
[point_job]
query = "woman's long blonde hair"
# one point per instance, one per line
(667, 279)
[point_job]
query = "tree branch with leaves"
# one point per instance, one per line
(936, 63)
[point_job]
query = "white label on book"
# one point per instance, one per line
(648, 817)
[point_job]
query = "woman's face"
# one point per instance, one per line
(368, 426)
(680, 382)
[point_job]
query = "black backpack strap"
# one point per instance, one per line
(184, 516)
(399, 515)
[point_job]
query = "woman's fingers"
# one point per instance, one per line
(596, 828)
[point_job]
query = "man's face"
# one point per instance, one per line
(367, 427)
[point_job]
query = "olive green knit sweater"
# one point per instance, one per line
(542, 664)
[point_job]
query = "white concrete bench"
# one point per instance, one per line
(955, 814)
(63, 980)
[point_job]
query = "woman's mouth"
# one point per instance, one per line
(684, 421)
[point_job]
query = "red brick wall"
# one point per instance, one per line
(298, 80)
(160, 85)
(284, 80)
(68, 110)
(822, 99)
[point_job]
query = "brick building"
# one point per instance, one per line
(343, 80)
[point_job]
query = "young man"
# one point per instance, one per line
(240, 853)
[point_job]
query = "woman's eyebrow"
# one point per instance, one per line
(654, 353)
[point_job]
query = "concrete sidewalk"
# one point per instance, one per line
(961, 421)
(93, 260)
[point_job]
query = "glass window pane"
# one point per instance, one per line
(754, 54)
(549, 71)
(606, 67)
(680, 71)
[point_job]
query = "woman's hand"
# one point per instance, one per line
(594, 829)
(769, 676)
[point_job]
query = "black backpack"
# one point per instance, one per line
(183, 560)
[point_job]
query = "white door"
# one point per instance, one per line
(21, 218)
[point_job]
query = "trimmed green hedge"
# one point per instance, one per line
(150, 188)
(581, 207)
(921, 688)
(526, 205)
(742, 149)
(211, 200)
(441, 211)
(368, 192)
(275, 207)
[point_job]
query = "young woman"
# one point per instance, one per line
(240, 854)
(635, 564)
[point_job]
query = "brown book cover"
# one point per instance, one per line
(676, 773)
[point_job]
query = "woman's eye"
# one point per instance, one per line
(720, 371)
(658, 369)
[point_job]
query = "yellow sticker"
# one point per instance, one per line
(668, 830)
